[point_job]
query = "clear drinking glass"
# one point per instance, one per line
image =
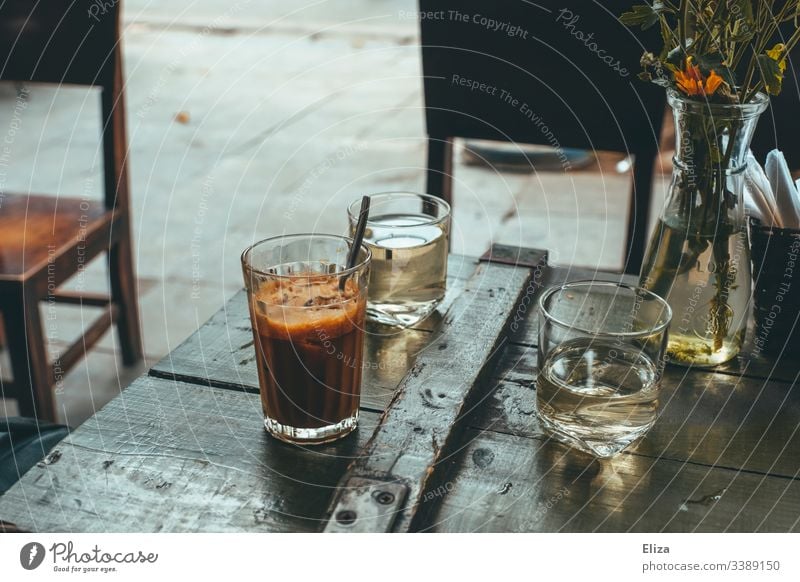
(307, 312)
(408, 235)
(601, 357)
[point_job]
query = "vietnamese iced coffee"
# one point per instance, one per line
(307, 313)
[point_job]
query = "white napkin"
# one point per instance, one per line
(783, 189)
(772, 196)
(758, 194)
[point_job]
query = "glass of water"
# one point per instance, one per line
(601, 355)
(408, 235)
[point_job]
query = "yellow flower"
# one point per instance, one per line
(690, 80)
(776, 54)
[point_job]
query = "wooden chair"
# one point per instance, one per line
(573, 97)
(45, 240)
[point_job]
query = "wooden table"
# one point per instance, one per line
(183, 448)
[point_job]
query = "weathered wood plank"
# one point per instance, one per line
(516, 484)
(221, 353)
(460, 269)
(420, 427)
(752, 364)
(168, 456)
(705, 417)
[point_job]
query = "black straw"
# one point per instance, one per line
(361, 226)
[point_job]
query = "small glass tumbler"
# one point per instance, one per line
(601, 359)
(307, 312)
(408, 235)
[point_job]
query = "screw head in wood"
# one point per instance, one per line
(383, 497)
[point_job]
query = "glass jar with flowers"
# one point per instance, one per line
(719, 63)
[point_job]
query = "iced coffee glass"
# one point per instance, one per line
(307, 312)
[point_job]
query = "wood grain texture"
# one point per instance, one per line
(37, 229)
(221, 353)
(517, 484)
(421, 425)
(168, 456)
(752, 364)
(706, 418)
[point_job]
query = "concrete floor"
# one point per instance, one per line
(243, 113)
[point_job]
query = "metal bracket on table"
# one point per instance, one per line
(367, 505)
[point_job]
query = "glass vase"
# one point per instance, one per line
(698, 258)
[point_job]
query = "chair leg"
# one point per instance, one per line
(123, 294)
(639, 216)
(33, 374)
(120, 259)
(439, 178)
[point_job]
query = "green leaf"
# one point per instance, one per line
(770, 73)
(710, 61)
(742, 11)
(716, 62)
(739, 37)
(653, 70)
(641, 15)
(668, 37)
(742, 23)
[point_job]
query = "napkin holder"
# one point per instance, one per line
(775, 256)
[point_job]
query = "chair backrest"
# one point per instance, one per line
(59, 41)
(540, 73)
(73, 42)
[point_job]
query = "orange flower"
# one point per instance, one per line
(690, 80)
